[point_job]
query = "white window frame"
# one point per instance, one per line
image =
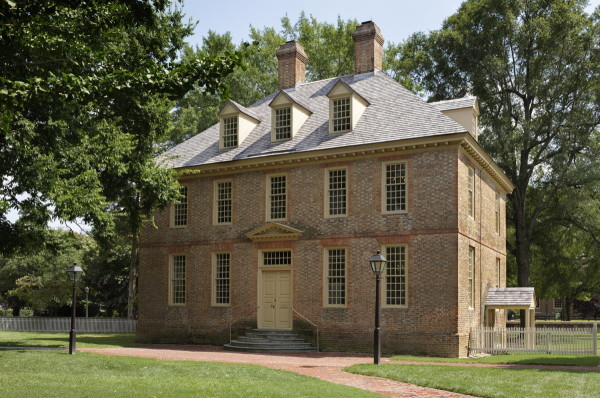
(498, 272)
(230, 132)
(384, 279)
(276, 120)
(217, 201)
(270, 200)
(172, 279)
(471, 276)
(175, 208)
(332, 114)
(560, 304)
(215, 277)
(263, 253)
(326, 278)
(497, 213)
(384, 187)
(471, 192)
(329, 190)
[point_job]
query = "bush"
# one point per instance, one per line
(25, 312)
(8, 312)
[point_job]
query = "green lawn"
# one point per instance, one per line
(58, 374)
(520, 359)
(84, 340)
(491, 382)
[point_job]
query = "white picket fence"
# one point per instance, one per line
(531, 340)
(83, 325)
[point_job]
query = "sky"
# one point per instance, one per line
(397, 19)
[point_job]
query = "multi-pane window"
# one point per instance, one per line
(471, 277)
(558, 303)
(394, 187)
(341, 117)
(497, 213)
(336, 193)
(277, 197)
(273, 259)
(230, 132)
(283, 123)
(395, 276)
(223, 202)
(177, 279)
(498, 272)
(336, 277)
(180, 208)
(222, 267)
(471, 202)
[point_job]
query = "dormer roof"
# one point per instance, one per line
(342, 88)
(231, 107)
(281, 94)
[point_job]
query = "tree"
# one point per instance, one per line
(534, 67)
(85, 91)
(330, 52)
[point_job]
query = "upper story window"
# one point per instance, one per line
(277, 197)
(394, 187)
(346, 107)
(223, 203)
(177, 279)
(395, 277)
(497, 213)
(283, 124)
(179, 209)
(230, 132)
(341, 118)
(471, 192)
(287, 116)
(236, 124)
(336, 196)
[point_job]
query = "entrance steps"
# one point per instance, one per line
(266, 340)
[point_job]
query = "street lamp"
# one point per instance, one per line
(378, 263)
(74, 275)
(87, 300)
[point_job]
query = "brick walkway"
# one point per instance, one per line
(324, 366)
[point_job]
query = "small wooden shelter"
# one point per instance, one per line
(510, 298)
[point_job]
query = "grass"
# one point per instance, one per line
(491, 382)
(58, 374)
(514, 359)
(47, 339)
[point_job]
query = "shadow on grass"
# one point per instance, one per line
(83, 340)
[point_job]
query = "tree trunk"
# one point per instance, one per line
(133, 275)
(522, 244)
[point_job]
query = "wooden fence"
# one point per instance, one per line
(83, 325)
(578, 341)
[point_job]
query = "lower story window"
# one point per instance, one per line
(178, 279)
(395, 276)
(335, 283)
(222, 267)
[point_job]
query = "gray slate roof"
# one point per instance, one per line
(394, 114)
(459, 103)
(515, 296)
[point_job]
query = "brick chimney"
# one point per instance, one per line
(368, 48)
(291, 65)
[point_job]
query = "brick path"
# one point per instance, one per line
(324, 366)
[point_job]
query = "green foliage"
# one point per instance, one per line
(534, 67)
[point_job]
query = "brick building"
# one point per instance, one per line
(291, 196)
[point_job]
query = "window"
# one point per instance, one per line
(498, 272)
(497, 213)
(277, 198)
(395, 276)
(274, 259)
(230, 132)
(471, 277)
(335, 277)
(558, 304)
(471, 192)
(179, 213)
(394, 186)
(221, 280)
(222, 202)
(341, 119)
(336, 197)
(177, 276)
(283, 124)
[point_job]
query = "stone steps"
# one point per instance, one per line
(265, 340)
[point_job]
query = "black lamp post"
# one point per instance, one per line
(74, 275)
(87, 300)
(378, 263)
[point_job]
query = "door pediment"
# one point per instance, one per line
(274, 232)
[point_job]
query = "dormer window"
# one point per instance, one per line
(346, 107)
(287, 116)
(230, 132)
(341, 119)
(283, 123)
(236, 124)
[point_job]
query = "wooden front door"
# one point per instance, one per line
(276, 300)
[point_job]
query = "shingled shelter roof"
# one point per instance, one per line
(511, 297)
